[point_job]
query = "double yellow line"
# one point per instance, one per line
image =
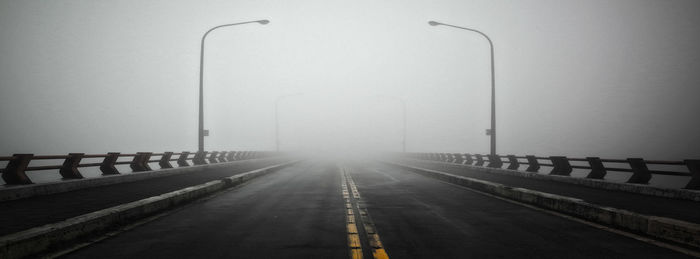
(352, 204)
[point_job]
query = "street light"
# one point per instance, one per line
(403, 106)
(491, 132)
(201, 78)
(277, 121)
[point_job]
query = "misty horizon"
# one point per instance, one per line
(572, 78)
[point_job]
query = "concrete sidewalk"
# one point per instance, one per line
(18, 215)
(685, 210)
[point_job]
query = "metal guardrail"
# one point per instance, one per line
(18, 164)
(561, 165)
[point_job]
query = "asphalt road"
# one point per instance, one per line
(18, 215)
(300, 212)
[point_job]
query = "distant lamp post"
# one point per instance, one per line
(403, 107)
(201, 79)
(277, 121)
(492, 131)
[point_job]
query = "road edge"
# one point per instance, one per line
(676, 231)
(39, 189)
(51, 236)
(643, 189)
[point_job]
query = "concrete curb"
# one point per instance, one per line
(676, 231)
(594, 183)
(50, 236)
(26, 191)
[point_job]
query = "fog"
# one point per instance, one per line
(613, 79)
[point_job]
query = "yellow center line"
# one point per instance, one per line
(375, 243)
(353, 235)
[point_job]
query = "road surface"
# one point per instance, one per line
(308, 211)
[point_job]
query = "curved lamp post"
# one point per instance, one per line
(277, 121)
(491, 132)
(201, 78)
(403, 106)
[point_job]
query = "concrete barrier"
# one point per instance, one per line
(52, 236)
(668, 229)
(643, 189)
(26, 191)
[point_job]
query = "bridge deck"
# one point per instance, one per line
(649, 205)
(301, 212)
(26, 213)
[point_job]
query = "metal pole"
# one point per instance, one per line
(200, 139)
(493, 82)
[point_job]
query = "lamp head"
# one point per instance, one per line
(434, 23)
(263, 22)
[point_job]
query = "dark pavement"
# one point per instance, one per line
(23, 214)
(420, 217)
(299, 212)
(648, 205)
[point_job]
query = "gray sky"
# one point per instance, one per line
(580, 78)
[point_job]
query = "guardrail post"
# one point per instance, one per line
(694, 168)
(199, 158)
(468, 159)
(69, 170)
(165, 160)
(140, 162)
(479, 160)
(514, 164)
(222, 156)
(212, 157)
(146, 160)
(14, 171)
(597, 168)
(107, 167)
(495, 161)
(182, 159)
(641, 173)
(533, 165)
(561, 166)
(458, 158)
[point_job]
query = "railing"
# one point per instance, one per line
(561, 165)
(18, 164)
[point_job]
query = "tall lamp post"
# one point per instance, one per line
(277, 121)
(201, 78)
(403, 107)
(491, 132)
